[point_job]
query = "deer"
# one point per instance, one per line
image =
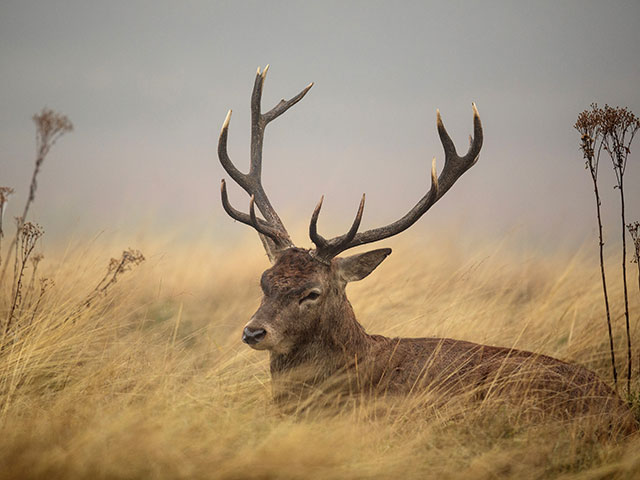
(307, 324)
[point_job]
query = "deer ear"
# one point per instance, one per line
(356, 267)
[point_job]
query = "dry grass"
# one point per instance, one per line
(152, 381)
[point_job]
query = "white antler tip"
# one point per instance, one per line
(475, 109)
(225, 125)
(434, 174)
(264, 72)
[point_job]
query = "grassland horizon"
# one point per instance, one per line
(151, 380)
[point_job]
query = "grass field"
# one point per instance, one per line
(151, 380)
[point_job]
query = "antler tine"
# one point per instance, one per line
(316, 238)
(260, 225)
(271, 227)
(454, 167)
(232, 212)
(284, 105)
(259, 120)
(345, 239)
(327, 249)
(239, 177)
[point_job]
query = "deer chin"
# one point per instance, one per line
(274, 345)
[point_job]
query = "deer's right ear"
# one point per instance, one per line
(356, 267)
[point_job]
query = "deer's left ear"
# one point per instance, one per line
(356, 267)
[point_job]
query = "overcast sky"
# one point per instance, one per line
(148, 84)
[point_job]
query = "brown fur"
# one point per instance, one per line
(319, 346)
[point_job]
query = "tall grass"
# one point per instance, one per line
(151, 380)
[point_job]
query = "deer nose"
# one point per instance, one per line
(251, 337)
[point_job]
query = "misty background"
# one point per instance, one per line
(148, 84)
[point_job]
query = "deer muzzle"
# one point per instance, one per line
(252, 336)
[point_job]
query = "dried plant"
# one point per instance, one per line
(28, 235)
(117, 266)
(45, 285)
(35, 261)
(619, 126)
(591, 143)
(50, 126)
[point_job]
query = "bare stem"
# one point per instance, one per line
(604, 280)
(624, 283)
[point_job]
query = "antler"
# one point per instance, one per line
(454, 167)
(272, 232)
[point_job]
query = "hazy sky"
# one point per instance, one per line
(147, 86)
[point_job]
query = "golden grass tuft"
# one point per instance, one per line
(152, 381)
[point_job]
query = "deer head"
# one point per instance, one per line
(304, 290)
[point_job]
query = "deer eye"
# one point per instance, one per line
(310, 296)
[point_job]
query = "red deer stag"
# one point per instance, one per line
(308, 326)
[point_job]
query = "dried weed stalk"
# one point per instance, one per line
(45, 285)
(28, 236)
(50, 126)
(591, 142)
(117, 266)
(619, 126)
(35, 261)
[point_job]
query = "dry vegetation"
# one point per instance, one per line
(149, 378)
(134, 369)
